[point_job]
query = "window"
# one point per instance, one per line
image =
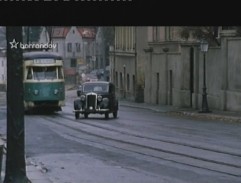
(128, 82)
(77, 45)
(57, 47)
(42, 73)
(29, 75)
(121, 81)
(73, 62)
(228, 27)
(116, 79)
(134, 83)
(69, 47)
(60, 73)
(112, 89)
(50, 73)
(154, 34)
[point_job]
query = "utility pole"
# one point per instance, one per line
(15, 171)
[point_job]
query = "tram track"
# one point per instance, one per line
(189, 155)
(158, 139)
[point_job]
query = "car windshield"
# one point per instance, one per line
(95, 87)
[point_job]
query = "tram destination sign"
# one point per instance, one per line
(44, 61)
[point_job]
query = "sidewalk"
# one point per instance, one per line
(34, 173)
(170, 110)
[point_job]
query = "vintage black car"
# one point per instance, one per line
(96, 97)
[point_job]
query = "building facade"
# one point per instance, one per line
(167, 79)
(127, 58)
(156, 65)
(175, 70)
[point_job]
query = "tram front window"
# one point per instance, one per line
(44, 73)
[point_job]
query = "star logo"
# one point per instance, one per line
(14, 44)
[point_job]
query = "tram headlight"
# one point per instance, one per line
(35, 92)
(82, 97)
(56, 91)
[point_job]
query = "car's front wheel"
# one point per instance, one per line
(106, 115)
(115, 113)
(86, 115)
(76, 115)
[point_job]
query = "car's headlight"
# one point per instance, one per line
(105, 100)
(99, 98)
(82, 97)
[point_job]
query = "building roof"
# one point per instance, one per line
(87, 32)
(60, 32)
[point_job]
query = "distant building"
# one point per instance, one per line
(100, 49)
(76, 45)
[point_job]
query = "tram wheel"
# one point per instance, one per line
(115, 114)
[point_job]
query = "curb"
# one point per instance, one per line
(149, 108)
(196, 115)
(207, 117)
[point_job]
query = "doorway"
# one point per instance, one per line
(191, 74)
(157, 88)
(170, 87)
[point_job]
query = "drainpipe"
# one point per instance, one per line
(150, 50)
(114, 76)
(136, 88)
(166, 74)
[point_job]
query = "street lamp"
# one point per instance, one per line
(204, 49)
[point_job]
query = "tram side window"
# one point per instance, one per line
(29, 74)
(60, 73)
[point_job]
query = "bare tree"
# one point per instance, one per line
(210, 33)
(3, 37)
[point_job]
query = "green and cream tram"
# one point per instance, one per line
(44, 84)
